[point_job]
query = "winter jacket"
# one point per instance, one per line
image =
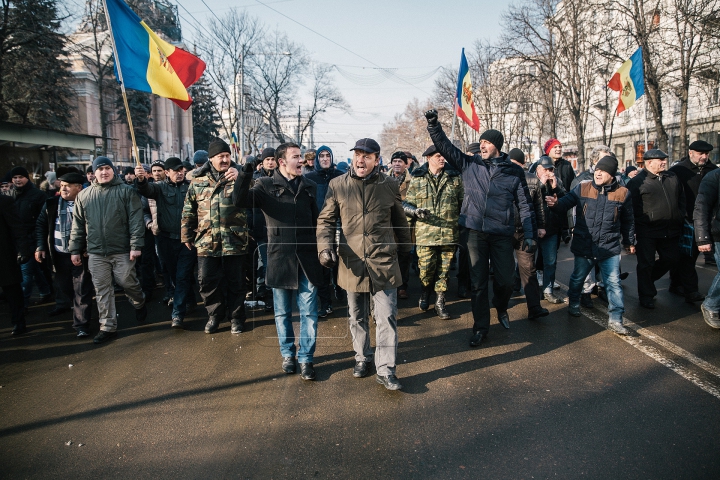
(563, 170)
(403, 182)
(291, 219)
(45, 228)
(210, 219)
(11, 242)
(604, 219)
(658, 204)
(255, 218)
(322, 176)
(555, 222)
(690, 175)
(492, 190)
(107, 220)
(169, 200)
(443, 197)
(538, 204)
(29, 200)
(706, 215)
(372, 217)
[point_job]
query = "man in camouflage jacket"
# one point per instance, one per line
(218, 230)
(433, 201)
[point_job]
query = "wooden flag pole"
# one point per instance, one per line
(452, 131)
(122, 86)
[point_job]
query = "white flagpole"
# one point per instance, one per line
(452, 131)
(645, 115)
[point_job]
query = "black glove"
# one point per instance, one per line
(529, 245)
(422, 213)
(22, 259)
(432, 117)
(328, 258)
(565, 236)
(248, 168)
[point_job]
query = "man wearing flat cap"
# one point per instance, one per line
(179, 261)
(52, 231)
(659, 209)
(374, 231)
(433, 203)
(690, 171)
(213, 225)
(494, 187)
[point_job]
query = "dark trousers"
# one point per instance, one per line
(145, 268)
(16, 302)
(76, 284)
(499, 250)
(463, 275)
(179, 261)
(684, 273)
(649, 269)
(528, 273)
(325, 289)
(404, 260)
(222, 286)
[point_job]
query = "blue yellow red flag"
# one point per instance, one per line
(234, 142)
(629, 80)
(464, 103)
(149, 63)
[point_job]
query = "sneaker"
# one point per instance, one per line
(211, 326)
(574, 310)
(551, 298)
(82, 333)
(617, 327)
(236, 327)
(177, 323)
(104, 336)
(389, 381)
(325, 311)
(586, 300)
(556, 285)
(711, 318)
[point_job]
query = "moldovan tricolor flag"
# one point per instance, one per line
(629, 80)
(149, 63)
(464, 104)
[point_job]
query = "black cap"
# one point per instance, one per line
(22, 171)
(218, 146)
(700, 146)
(608, 164)
(401, 155)
(517, 155)
(474, 147)
(157, 163)
(546, 162)
(267, 152)
(173, 163)
(654, 154)
(494, 137)
(73, 177)
(366, 145)
(128, 170)
(630, 168)
(431, 150)
(187, 165)
(89, 169)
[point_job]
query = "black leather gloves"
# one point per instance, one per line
(432, 117)
(22, 259)
(565, 236)
(248, 168)
(529, 245)
(421, 213)
(328, 258)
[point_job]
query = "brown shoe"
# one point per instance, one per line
(402, 294)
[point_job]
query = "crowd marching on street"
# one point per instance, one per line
(292, 227)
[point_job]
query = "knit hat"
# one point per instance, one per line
(22, 171)
(629, 169)
(550, 144)
(50, 177)
(128, 171)
(89, 169)
(608, 164)
(474, 148)
(200, 157)
(173, 163)
(494, 137)
(267, 152)
(73, 177)
(218, 146)
(517, 155)
(401, 155)
(102, 162)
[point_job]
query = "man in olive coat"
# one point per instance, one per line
(368, 205)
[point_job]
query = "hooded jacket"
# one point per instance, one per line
(322, 176)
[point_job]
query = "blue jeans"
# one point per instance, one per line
(712, 299)
(179, 261)
(307, 305)
(549, 247)
(610, 271)
(32, 273)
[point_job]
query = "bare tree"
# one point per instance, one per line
(408, 130)
(324, 96)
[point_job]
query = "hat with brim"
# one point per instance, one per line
(546, 162)
(174, 163)
(367, 145)
(701, 146)
(431, 150)
(73, 177)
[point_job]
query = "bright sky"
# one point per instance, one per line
(414, 37)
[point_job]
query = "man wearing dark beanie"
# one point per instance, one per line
(604, 224)
(517, 155)
(494, 187)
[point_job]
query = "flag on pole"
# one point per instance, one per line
(629, 80)
(464, 104)
(234, 143)
(149, 63)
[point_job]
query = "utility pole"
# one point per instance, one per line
(298, 127)
(242, 102)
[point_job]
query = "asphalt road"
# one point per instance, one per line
(557, 397)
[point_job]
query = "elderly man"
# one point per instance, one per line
(108, 227)
(213, 225)
(690, 171)
(367, 204)
(53, 238)
(433, 202)
(659, 209)
(494, 186)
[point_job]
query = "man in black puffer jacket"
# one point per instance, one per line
(707, 233)
(659, 209)
(493, 187)
(604, 222)
(258, 230)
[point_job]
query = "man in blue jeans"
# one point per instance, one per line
(706, 218)
(604, 221)
(287, 199)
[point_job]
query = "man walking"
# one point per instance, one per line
(367, 204)
(13, 252)
(108, 227)
(554, 225)
(707, 235)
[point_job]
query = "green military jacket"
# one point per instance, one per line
(210, 219)
(443, 197)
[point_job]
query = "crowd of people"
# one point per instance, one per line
(288, 225)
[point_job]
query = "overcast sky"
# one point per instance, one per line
(414, 37)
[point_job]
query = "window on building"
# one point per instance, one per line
(675, 152)
(620, 152)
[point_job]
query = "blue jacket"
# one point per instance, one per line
(604, 219)
(492, 190)
(322, 176)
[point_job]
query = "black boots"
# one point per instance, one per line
(440, 306)
(425, 299)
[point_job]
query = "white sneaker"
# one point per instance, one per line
(617, 327)
(540, 276)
